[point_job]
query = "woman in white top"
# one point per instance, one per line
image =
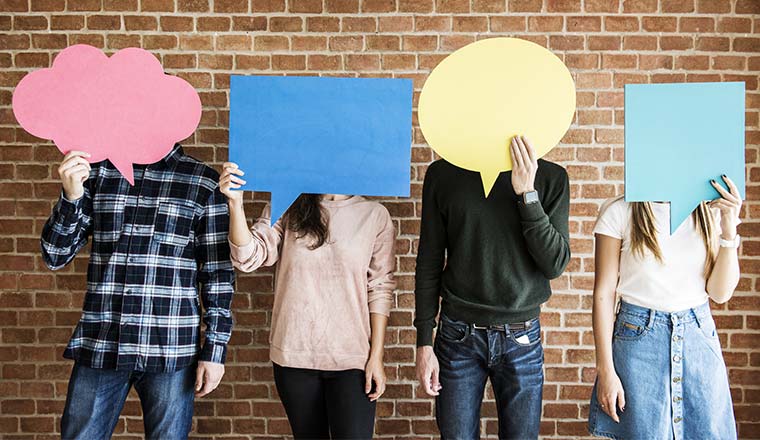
(660, 371)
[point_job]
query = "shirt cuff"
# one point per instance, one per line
(531, 211)
(241, 253)
(212, 352)
(424, 336)
(66, 207)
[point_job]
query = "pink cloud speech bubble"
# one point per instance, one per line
(123, 108)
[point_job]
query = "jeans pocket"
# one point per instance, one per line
(630, 327)
(453, 331)
(527, 337)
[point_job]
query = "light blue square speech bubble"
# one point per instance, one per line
(680, 136)
(294, 135)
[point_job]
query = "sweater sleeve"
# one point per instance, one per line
(380, 281)
(431, 256)
(545, 227)
(264, 247)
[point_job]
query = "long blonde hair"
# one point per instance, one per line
(644, 232)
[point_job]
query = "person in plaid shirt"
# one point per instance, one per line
(156, 245)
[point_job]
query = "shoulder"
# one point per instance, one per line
(376, 211)
(551, 171)
(198, 172)
(615, 207)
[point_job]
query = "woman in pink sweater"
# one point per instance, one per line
(334, 259)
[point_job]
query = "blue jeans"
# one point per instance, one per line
(96, 396)
(673, 376)
(513, 360)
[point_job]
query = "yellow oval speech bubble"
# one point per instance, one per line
(485, 93)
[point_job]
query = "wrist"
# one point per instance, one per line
(72, 197)
(235, 204)
(728, 234)
(605, 368)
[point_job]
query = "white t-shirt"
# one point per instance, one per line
(678, 283)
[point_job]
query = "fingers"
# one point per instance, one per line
(379, 389)
(723, 193)
(209, 385)
(75, 153)
(516, 156)
(199, 373)
(71, 163)
(621, 400)
(435, 382)
(608, 406)
(529, 149)
(732, 187)
(231, 168)
(367, 382)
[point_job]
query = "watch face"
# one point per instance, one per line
(530, 197)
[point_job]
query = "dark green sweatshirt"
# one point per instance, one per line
(499, 254)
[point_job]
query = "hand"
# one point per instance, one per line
(229, 182)
(610, 394)
(428, 370)
(524, 165)
(730, 205)
(207, 377)
(74, 170)
(374, 372)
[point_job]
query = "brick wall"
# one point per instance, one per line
(605, 43)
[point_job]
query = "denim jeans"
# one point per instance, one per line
(96, 396)
(673, 376)
(468, 357)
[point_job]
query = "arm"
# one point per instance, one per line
(249, 249)
(545, 228)
(375, 370)
(70, 224)
(431, 256)
(607, 265)
(380, 287)
(215, 276)
(725, 275)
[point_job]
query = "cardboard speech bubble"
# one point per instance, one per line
(485, 93)
(123, 108)
(294, 135)
(680, 136)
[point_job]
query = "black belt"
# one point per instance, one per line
(503, 327)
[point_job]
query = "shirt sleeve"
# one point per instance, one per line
(67, 230)
(380, 281)
(612, 219)
(216, 277)
(264, 247)
(431, 255)
(545, 228)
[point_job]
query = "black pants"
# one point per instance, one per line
(325, 404)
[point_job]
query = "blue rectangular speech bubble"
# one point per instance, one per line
(294, 135)
(680, 136)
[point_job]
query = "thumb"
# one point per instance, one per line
(199, 378)
(434, 379)
(367, 382)
(621, 400)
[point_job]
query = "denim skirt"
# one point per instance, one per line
(673, 376)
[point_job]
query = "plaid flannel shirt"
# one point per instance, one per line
(155, 245)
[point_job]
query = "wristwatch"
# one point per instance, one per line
(530, 197)
(733, 244)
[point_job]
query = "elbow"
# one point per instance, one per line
(721, 296)
(559, 266)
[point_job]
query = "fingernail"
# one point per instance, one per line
(712, 181)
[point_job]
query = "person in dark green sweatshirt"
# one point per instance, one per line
(488, 261)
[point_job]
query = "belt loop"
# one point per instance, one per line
(699, 319)
(652, 313)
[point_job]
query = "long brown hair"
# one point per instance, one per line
(306, 218)
(644, 232)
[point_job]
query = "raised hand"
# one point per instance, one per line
(730, 205)
(524, 165)
(74, 170)
(229, 182)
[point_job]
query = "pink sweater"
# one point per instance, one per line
(323, 297)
